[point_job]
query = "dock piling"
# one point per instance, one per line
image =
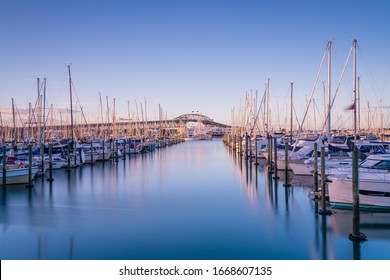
(356, 235)
(68, 168)
(91, 152)
(103, 152)
(29, 184)
(50, 179)
(116, 151)
(286, 184)
(256, 152)
(275, 157)
(269, 155)
(4, 167)
(323, 210)
(315, 174)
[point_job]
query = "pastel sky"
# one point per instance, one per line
(191, 55)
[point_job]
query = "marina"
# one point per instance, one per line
(194, 200)
(221, 138)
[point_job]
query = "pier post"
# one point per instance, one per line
(275, 157)
(256, 151)
(4, 167)
(356, 235)
(75, 154)
(323, 210)
(269, 155)
(68, 169)
(116, 151)
(286, 184)
(250, 148)
(50, 179)
(240, 150)
(315, 174)
(91, 151)
(29, 184)
(111, 148)
(246, 145)
(42, 158)
(124, 149)
(103, 151)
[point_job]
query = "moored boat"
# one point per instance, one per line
(18, 175)
(374, 185)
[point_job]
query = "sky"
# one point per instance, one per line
(192, 55)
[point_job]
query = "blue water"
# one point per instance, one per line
(194, 200)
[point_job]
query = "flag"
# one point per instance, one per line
(350, 107)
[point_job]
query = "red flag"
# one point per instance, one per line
(350, 107)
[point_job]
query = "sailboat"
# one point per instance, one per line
(15, 173)
(373, 187)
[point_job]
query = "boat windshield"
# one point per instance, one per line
(376, 164)
(338, 139)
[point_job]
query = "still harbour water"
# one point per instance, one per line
(193, 201)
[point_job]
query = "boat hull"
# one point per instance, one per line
(374, 194)
(18, 176)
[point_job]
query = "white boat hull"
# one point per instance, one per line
(374, 191)
(103, 156)
(302, 169)
(18, 176)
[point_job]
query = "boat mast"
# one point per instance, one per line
(29, 122)
(129, 119)
(14, 124)
(291, 114)
(354, 90)
(2, 129)
(268, 120)
(39, 116)
(113, 121)
(358, 103)
(44, 109)
(108, 118)
(71, 104)
(329, 89)
(71, 119)
(102, 118)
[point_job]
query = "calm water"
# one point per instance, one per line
(195, 200)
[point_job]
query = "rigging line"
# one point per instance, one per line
(342, 124)
(364, 92)
(296, 119)
(252, 114)
(78, 101)
(247, 114)
(257, 115)
(317, 109)
(337, 88)
(371, 76)
(257, 124)
(33, 112)
(311, 97)
(20, 118)
(365, 96)
(82, 114)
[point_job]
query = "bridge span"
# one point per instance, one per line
(176, 125)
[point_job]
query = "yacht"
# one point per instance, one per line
(374, 184)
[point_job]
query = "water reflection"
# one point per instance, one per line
(196, 200)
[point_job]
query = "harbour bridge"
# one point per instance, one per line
(182, 119)
(199, 118)
(123, 126)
